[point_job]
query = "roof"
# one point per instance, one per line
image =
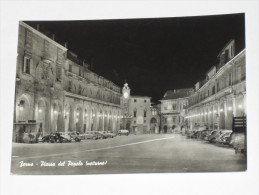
(137, 96)
(177, 93)
(231, 40)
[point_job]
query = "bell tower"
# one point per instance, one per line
(126, 91)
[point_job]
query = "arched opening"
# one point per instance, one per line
(86, 120)
(153, 125)
(79, 119)
(42, 116)
(221, 116)
(106, 120)
(100, 118)
(165, 129)
(67, 117)
(110, 119)
(57, 118)
(240, 105)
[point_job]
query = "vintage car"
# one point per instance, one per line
(91, 135)
(222, 139)
(75, 136)
(55, 138)
(111, 134)
(123, 132)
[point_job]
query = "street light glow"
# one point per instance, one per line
(240, 106)
(229, 108)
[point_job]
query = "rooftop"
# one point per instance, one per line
(177, 93)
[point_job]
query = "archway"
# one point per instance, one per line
(42, 116)
(100, 118)
(106, 120)
(79, 119)
(67, 113)
(221, 116)
(153, 125)
(57, 118)
(165, 129)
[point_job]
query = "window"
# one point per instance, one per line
(135, 100)
(69, 85)
(218, 86)
(134, 122)
(213, 90)
(145, 100)
(145, 121)
(230, 78)
(135, 113)
(70, 68)
(145, 113)
(26, 65)
(208, 92)
(174, 107)
(79, 90)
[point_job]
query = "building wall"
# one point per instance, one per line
(140, 123)
(221, 97)
(42, 91)
(173, 112)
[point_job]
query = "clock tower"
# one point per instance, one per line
(125, 101)
(126, 91)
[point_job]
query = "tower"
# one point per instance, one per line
(126, 91)
(125, 99)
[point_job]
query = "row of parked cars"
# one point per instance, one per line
(63, 137)
(237, 140)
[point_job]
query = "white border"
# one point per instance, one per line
(195, 183)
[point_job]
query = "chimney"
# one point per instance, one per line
(53, 37)
(38, 27)
(65, 44)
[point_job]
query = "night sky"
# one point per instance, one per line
(152, 55)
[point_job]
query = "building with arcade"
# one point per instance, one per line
(222, 94)
(56, 92)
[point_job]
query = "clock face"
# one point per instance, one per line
(126, 94)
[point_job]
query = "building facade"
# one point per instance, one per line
(136, 112)
(155, 120)
(55, 91)
(222, 95)
(174, 109)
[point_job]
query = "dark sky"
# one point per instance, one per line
(152, 55)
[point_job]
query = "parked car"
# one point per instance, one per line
(213, 136)
(91, 135)
(65, 137)
(237, 140)
(111, 134)
(204, 133)
(223, 138)
(54, 137)
(75, 136)
(104, 134)
(123, 132)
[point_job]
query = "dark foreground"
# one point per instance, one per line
(166, 153)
